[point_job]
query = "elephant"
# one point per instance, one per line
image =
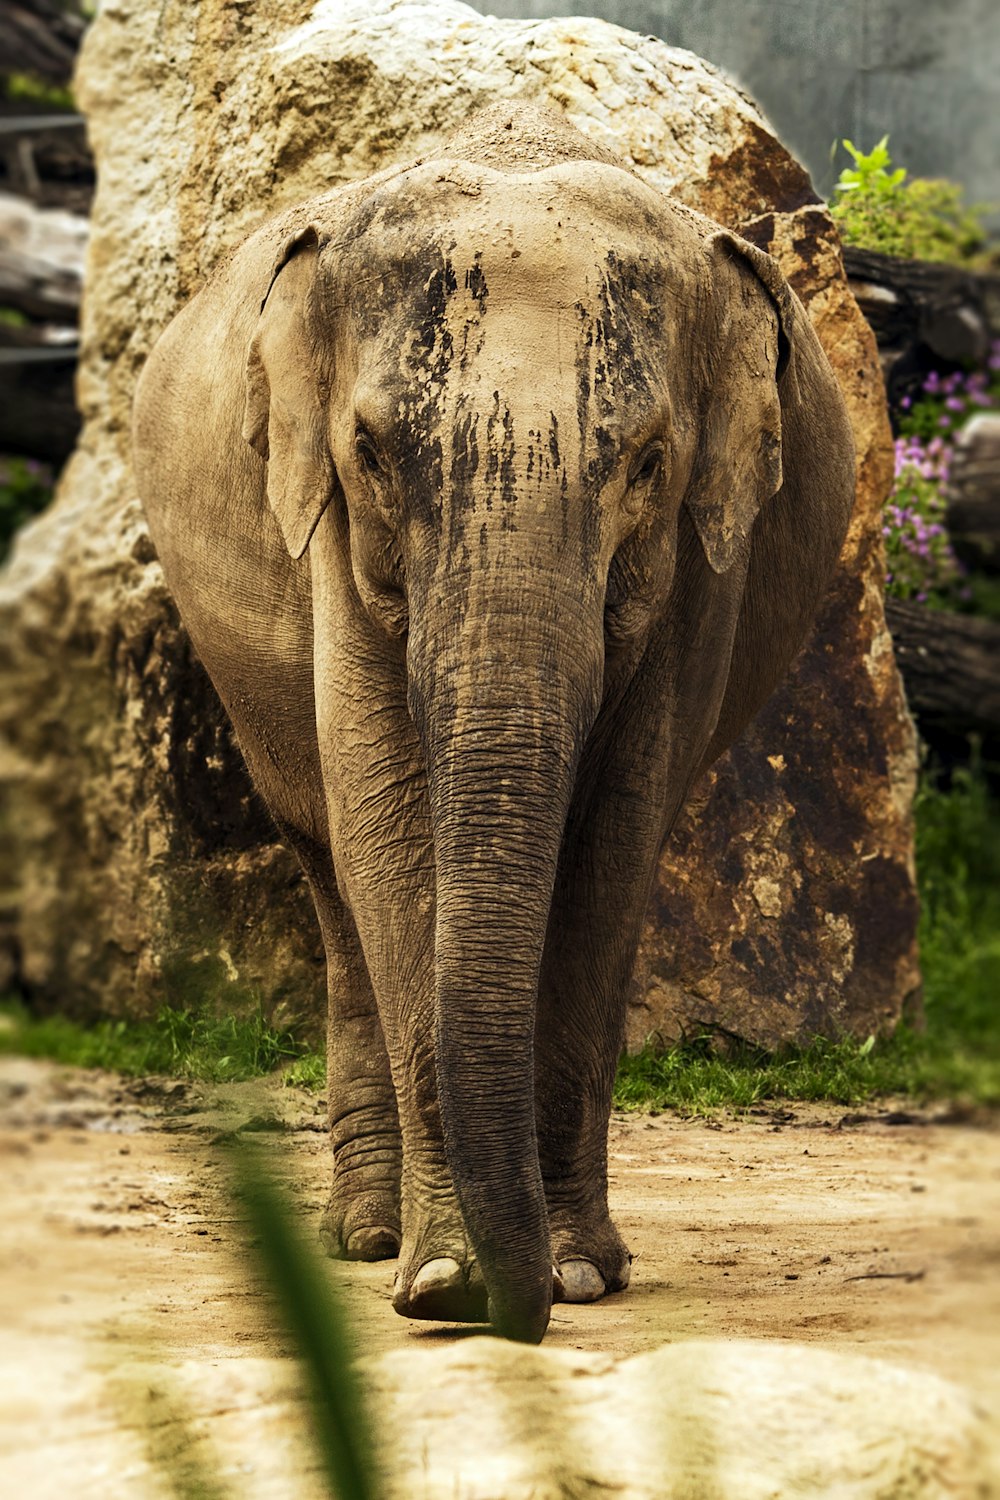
(496, 492)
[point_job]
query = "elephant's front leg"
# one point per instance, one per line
(362, 1219)
(612, 840)
(383, 848)
(386, 858)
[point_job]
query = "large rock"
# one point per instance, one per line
(713, 1420)
(488, 1420)
(142, 866)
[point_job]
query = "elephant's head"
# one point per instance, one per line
(541, 395)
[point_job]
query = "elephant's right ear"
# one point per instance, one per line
(285, 417)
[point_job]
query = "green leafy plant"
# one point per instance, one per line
(306, 1305)
(25, 489)
(877, 207)
(870, 175)
(28, 89)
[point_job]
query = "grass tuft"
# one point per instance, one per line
(183, 1043)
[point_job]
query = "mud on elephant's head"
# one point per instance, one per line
(523, 378)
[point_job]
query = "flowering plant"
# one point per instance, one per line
(946, 402)
(921, 561)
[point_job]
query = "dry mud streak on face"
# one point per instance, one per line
(120, 1252)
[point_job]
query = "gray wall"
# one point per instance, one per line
(925, 71)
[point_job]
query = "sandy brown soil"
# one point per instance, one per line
(121, 1255)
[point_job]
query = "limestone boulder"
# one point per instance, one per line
(715, 1419)
(481, 1419)
(139, 867)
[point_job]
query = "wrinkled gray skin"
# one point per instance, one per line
(496, 494)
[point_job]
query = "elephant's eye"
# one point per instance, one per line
(648, 465)
(368, 455)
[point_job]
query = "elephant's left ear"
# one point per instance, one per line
(285, 416)
(749, 377)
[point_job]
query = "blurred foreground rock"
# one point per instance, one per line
(481, 1419)
(485, 1420)
(140, 865)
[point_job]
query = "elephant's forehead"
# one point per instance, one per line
(498, 241)
(509, 296)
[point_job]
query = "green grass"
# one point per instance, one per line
(956, 1057)
(179, 1042)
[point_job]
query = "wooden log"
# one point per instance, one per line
(41, 260)
(38, 415)
(923, 312)
(46, 158)
(973, 493)
(949, 667)
(40, 37)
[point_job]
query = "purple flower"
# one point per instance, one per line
(955, 403)
(906, 402)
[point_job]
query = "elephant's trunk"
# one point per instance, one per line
(504, 709)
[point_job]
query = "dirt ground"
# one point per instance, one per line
(121, 1253)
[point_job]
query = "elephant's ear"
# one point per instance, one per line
(285, 417)
(750, 375)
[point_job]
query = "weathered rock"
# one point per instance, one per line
(491, 1421)
(144, 866)
(482, 1419)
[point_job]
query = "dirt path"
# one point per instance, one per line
(120, 1251)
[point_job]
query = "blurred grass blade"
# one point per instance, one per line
(178, 1447)
(315, 1320)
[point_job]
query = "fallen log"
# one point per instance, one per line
(949, 665)
(973, 494)
(923, 313)
(41, 37)
(42, 254)
(38, 415)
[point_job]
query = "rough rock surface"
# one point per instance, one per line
(490, 1421)
(141, 865)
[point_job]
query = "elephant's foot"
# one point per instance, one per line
(364, 1227)
(589, 1262)
(438, 1276)
(443, 1290)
